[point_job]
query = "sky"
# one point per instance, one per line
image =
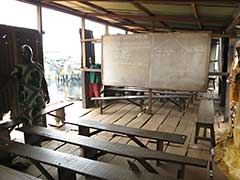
(61, 31)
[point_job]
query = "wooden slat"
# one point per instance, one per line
(113, 148)
(175, 138)
(138, 97)
(11, 174)
(206, 111)
(55, 107)
(77, 164)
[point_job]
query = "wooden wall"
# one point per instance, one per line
(11, 39)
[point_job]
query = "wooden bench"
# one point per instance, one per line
(91, 146)
(59, 108)
(69, 165)
(132, 133)
(205, 120)
(181, 103)
(85, 125)
(5, 130)
(11, 174)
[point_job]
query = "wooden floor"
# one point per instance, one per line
(166, 117)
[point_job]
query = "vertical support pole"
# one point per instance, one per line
(40, 29)
(83, 44)
(230, 58)
(39, 18)
(150, 101)
(83, 64)
(106, 30)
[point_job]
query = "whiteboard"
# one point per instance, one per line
(172, 61)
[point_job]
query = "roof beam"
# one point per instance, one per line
(61, 8)
(148, 12)
(166, 1)
(196, 15)
(235, 21)
(162, 18)
(109, 12)
(142, 8)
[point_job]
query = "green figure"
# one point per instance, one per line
(32, 88)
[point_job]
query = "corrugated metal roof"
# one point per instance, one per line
(169, 15)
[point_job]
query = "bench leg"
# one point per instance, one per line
(180, 172)
(159, 148)
(212, 135)
(5, 157)
(204, 132)
(89, 153)
(44, 120)
(32, 139)
(60, 113)
(43, 170)
(101, 106)
(83, 131)
(64, 174)
(196, 133)
(147, 166)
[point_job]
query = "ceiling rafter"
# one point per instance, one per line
(235, 21)
(196, 15)
(155, 18)
(148, 12)
(109, 12)
(80, 14)
(179, 2)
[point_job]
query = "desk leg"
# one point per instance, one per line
(159, 148)
(150, 102)
(60, 113)
(5, 157)
(101, 106)
(64, 174)
(59, 118)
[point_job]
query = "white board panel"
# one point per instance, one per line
(125, 58)
(173, 61)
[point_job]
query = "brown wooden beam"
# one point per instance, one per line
(165, 1)
(64, 9)
(235, 21)
(142, 8)
(148, 12)
(92, 5)
(162, 18)
(196, 15)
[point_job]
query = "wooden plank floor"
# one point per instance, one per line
(166, 117)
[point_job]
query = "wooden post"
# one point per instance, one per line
(106, 30)
(83, 64)
(150, 101)
(39, 19)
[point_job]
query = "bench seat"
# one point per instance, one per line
(129, 131)
(205, 120)
(140, 154)
(68, 165)
(11, 174)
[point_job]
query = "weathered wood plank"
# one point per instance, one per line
(11, 174)
(79, 165)
(109, 147)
